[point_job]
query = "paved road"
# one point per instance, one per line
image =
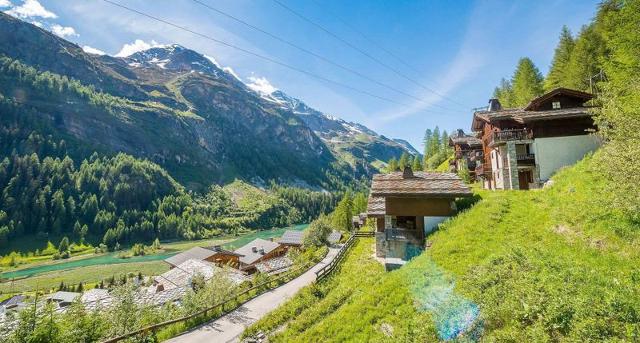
(229, 327)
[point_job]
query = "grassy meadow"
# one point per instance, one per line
(547, 265)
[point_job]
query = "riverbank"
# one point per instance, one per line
(96, 267)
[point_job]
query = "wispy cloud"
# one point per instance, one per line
(94, 51)
(5, 3)
(137, 45)
(261, 85)
(29, 9)
(64, 31)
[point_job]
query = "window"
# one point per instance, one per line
(555, 105)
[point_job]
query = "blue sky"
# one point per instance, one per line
(461, 49)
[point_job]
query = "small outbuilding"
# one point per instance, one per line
(62, 298)
(407, 206)
(292, 238)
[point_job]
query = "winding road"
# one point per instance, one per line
(229, 327)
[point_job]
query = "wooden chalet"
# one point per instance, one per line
(257, 251)
(522, 148)
(407, 206)
(215, 255)
(467, 152)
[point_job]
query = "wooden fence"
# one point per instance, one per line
(331, 266)
(205, 312)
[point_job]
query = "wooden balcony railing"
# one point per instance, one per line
(401, 234)
(510, 135)
(526, 159)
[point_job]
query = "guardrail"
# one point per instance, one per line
(329, 267)
(220, 306)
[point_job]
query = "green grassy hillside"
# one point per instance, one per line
(550, 265)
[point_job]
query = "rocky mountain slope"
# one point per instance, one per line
(363, 148)
(175, 107)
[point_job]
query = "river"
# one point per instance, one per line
(112, 258)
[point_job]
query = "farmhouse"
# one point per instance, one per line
(467, 152)
(215, 255)
(522, 148)
(257, 251)
(63, 299)
(407, 206)
(292, 238)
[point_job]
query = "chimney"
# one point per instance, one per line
(494, 105)
(261, 251)
(407, 173)
(460, 133)
(217, 248)
(254, 249)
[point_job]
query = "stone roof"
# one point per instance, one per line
(195, 253)
(418, 184)
(94, 295)
(13, 301)
(376, 206)
(292, 237)
(466, 139)
(262, 247)
(62, 296)
(334, 237)
(274, 265)
(181, 275)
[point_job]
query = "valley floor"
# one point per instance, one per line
(549, 265)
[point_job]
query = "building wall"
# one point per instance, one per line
(430, 223)
(418, 207)
(557, 152)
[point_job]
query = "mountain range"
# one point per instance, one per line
(178, 108)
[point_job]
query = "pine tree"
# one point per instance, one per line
(417, 163)
(435, 142)
(557, 76)
(527, 82)
(504, 93)
(64, 245)
(585, 59)
(427, 141)
(444, 141)
(392, 165)
(404, 160)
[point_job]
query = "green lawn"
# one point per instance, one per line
(86, 275)
(540, 266)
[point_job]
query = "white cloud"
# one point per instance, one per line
(261, 85)
(30, 9)
(93, 51)
(137, 45)
(5, 3)
(63, 31)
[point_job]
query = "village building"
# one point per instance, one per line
(257, 251)
(522, 148)
(407, 206)
(467, 153)
(292, 239)
(62, 298)
(182, 275)
(215, 255)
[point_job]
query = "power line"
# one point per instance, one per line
(249, 52)
(347, 43)
(307, 51)
(381, 47)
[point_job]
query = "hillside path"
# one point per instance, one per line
(229, 327)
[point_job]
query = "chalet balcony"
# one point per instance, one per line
(399, 234)
(526, 159)
(509, 135)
